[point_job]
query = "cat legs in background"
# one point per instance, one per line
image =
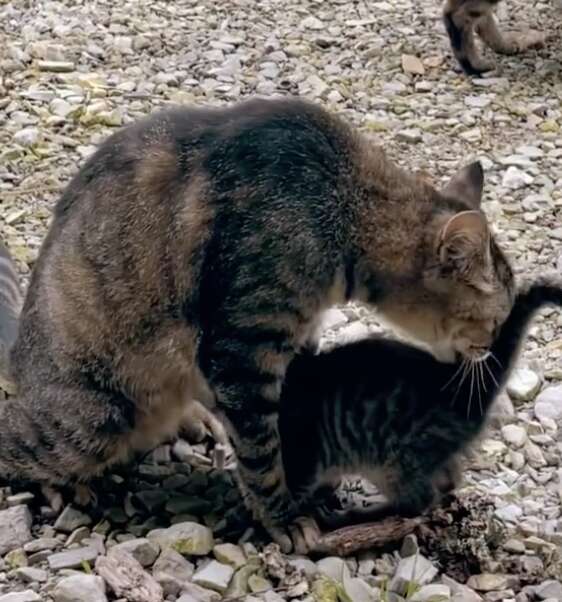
(465, 17)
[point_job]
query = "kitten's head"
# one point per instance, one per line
(467, 285)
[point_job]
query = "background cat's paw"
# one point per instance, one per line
(305, 534)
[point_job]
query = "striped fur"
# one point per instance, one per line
(393, 413)
(11, 302)
(464, 18)
(193, 254)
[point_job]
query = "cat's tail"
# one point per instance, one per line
(531, 296)
(11, 301)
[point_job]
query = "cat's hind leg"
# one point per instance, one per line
(460, 18)
(507, 42)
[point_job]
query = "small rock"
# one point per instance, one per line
(547, 590)
(515, 546)
(15, 528)
(409, 546)
(25, 497)
(515, 178)
(187, 538)
(71, 519)
(26, 596)
(534, 455)
(27, 136)
(80, 588)
(215, 576)
(411, 135)
(195, 593)
(56, 66)
(414, 568)
(333, 567)
(515, 435)
(141, 549)
(29, 574)
(360, 591)
(549, 403)
(258, 584)
(172, 571)
(312, 22)
(523, 385)
(411, 64)
(429, 593)
(487, 582)
(230, 554)
(510, 513)
(72, 559)
(60, 107)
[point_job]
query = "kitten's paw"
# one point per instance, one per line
(305, 534)
(199, 422)
(54, 498)
(84, 495)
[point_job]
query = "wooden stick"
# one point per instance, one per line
(350, 540)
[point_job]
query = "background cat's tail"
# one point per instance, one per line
(11, 301)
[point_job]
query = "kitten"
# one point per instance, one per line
(393, 413)
(194, 253)
(464, 17)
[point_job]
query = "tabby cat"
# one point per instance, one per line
(394, 413)
(194, 253)
(464, 17)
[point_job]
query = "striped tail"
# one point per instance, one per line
(11, 301)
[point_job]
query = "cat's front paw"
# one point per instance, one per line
(300, 536)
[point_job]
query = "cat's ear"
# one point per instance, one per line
(467, 185)
(464, 247)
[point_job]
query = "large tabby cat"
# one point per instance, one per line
(193, 254)
(393, 413)
(465, 17)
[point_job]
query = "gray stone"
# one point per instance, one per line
(409, 546)
(360, 591)
(188, 538)
(71, 519)
(27, 136)
(509, 513)
(333, 567)
(29, 574)
(26, 596)
(514, 435)
(411, 135)
(549, 403)
(144, 551)
(15, 528)
(192, 591)
(230, 554)
(215, 576)
(523, 384)
(172, 571)
(487, 582)
(72, 559)
(333, 318)
(415, 568)
(80, 588)
(431, 592)
(515, 178)
(549, 589)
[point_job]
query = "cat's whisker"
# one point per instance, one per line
(464, 374)
(490, 372)
(472, 369)
(479, 385)
(496, 360)
(482, 365)
(454, 376)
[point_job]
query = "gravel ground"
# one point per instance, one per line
(70, 72)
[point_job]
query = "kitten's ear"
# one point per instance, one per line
(464, 245)
(467, 185)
